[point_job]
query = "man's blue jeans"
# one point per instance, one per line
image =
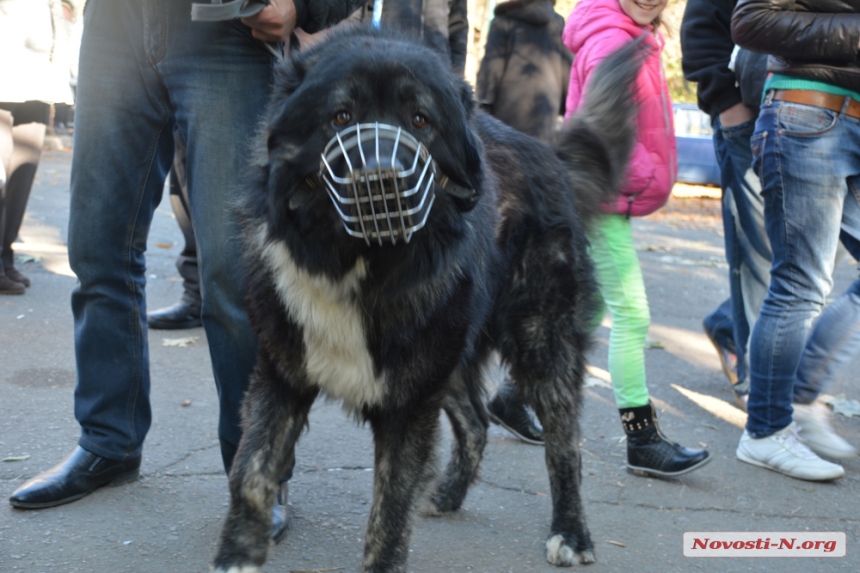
(808, 160)
(747, 246)
(145, 68)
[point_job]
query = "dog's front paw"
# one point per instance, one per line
(559, 552)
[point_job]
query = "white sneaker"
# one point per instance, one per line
(816, 432)
(783, 452)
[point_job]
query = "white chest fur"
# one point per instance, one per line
(336, 354)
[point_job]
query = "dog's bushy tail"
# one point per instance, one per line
(595, 143)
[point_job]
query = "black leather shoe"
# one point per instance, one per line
(17, 276)
(508, 410)
(8, 286)
(279, 513)
(179, 316)
(649, 452)
(78, 475)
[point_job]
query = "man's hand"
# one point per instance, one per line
(736, 115)
(274, 23)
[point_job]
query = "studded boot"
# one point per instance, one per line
(649, 452)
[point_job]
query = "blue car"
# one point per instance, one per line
(697, 162)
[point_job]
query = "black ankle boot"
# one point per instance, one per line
(508, 410)
(650, 452)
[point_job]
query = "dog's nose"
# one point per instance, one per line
(383, 155)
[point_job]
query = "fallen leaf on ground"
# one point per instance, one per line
(186, 403)
(844, 406)
(180, 342)
(164, 245)
(17, 458)
(650, 343)
(809, 489)
(618, 543)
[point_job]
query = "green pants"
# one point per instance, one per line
(622, 291)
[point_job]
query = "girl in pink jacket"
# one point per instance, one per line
(595, 29)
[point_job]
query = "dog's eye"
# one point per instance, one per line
(342, 118)
(419, 121)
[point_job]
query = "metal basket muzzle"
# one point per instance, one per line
(380, 179)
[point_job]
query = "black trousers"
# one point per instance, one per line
(22, 133)
(186, 262)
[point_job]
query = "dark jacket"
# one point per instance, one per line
(314, 15)
(706, 45)
(524, 74)
(706, 48)
(810, 39)
(441, 24)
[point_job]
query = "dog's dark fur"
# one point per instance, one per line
(400, 332)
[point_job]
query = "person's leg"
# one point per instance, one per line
(752, 274)
(719, 326)
(219, 78)
(186, 312)
(122, 150)
(835, 338)
(834, 342)
(802, 160)
(7, 285)
(747, 246)
(804, 191)
(720, 330)
(24, 162)
(186, 262)
(622, 288)
(6, 144)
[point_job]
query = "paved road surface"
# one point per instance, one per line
(168, 521)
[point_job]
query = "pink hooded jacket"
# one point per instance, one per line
(595, 29)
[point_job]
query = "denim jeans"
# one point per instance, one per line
(808, 160)
(747, 246)
(145, 68)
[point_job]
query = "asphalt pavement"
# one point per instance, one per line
(168, 521)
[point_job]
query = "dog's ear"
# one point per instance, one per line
(467, 98)
(460, 156)
(291, 180)
(288, 76)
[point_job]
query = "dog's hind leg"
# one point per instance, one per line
(557, 408)
(468, 417)
(273, 418)
(405, 440)
(544, 318)
(555, 398)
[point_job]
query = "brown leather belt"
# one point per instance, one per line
(823, 100)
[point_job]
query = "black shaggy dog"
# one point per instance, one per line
(395, 237)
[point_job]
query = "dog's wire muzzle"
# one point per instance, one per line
(379, 198)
